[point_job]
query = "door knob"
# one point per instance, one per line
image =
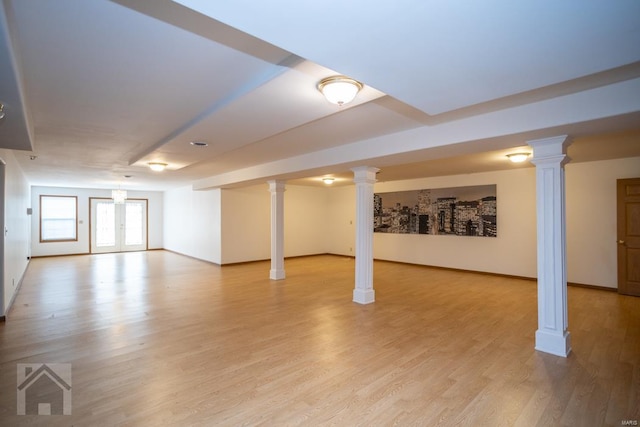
(621, 242)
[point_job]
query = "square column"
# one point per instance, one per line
(549, 157)
(364, 177)
(276, 188)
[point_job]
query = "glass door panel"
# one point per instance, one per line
(105, 225)
(118, 227)
(134, 225)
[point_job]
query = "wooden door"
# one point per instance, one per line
(629, 236)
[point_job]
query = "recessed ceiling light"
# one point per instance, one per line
(156, 166)
(199, 144)
(518, 157)
(328, 180)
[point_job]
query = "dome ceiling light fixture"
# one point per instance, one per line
(328, 180)
(339, 90)
(518, 157)
(157, 166)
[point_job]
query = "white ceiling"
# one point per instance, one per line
(96, 89)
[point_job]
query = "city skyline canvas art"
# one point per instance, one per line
(457, 211)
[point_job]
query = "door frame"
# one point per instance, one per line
(146, 243)
(2, 222)
(622, 237)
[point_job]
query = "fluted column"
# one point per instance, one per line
(364, 177)
(277, 188)
(549, 157)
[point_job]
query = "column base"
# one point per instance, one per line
(276, 274)
(364, 296)
(557, 344)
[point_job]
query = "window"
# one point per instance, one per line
(58, 218)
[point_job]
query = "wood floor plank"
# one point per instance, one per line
(156, 338)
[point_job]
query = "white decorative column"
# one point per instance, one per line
(276, 188)
(364, 177)
(549, 156)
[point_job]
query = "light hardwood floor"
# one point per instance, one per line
(156, 338)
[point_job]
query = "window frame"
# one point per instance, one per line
(75, 238)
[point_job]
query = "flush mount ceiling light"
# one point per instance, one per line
(339, 90)
(328, 180)
(156, 166)
(1, 110)
(518, 157)
(199, 144)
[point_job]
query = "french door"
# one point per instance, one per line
(118, 227)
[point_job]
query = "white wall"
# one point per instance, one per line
(233, 225)
(306, 224)
(591, 224)
(592, 220)
(246, 231)
(81, 246)
(246, 223)
(512, 252)
(18, 224)
(192, 223)
(342, 214)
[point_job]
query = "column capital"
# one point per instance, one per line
(550, 150)
(276, 185)
(365, 174)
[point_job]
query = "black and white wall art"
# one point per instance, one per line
(458, 211)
